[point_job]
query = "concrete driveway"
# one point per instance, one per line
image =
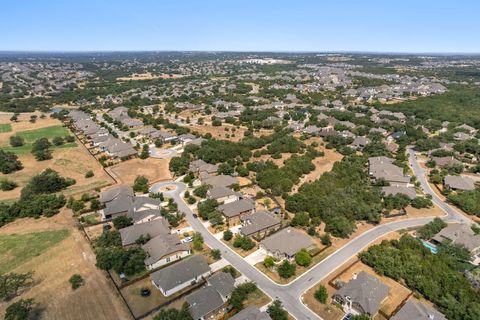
(256, 257)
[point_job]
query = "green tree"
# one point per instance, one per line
(216, 254)
(286, 269)
(227, 235)
(321, 294)
(140, 184)
(76, 281)
(269, 262)
(11, 283)
(89, 174)
(7, 185)
(9, 162)
(121, 222)
(174, 314)
(58, 141)
(16, 141)
(197, 241)
(303, 258)
(276, 311)
(19, 310)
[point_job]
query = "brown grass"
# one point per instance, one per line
(153, 169)
(68, 162)
(149, 76)
(96, 299)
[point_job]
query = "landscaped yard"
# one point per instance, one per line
(5, 127)
(16, 249)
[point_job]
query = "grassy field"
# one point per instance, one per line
(5, 127)
(16, 249)
(29, 136)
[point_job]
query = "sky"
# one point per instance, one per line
(410, 26)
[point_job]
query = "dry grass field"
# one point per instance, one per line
(149, 76)
(96, 299)
(153, 169)
(72, 162)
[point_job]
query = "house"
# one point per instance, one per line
(233, 211)
(461, 234)
(180, 275)
(163, 249)
(120, 206)
(461, 136)
(286, 243)
(116, 192)
(395, 190)
(416, 310)
(223, 194)
(152, 229)
(360, 143)
(251, 313)
(212, 299)
(219, 181)
(383, 168)
(459, 183)
(364, 293)
(259, 224)
(446, 161)
(467, 128)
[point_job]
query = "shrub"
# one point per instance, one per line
(7, 185)
(69, 139)
(122, 222)
(216, 254)
(58, 141)
(321, 294)
(227, 235)
(9, 162)
(16, 141)
(326, 239)
(140, 184)
(76, 281)
(89, 174)
(19, 310)
(269, 262)
(286, 269)
(303, 258)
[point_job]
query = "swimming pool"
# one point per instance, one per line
(433, 248)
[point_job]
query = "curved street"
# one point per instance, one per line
(290, 294)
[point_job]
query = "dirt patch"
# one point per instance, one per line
(149, 76)
(96, 299)
(153, 169)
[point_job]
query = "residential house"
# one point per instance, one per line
(163, 249)
(360, 142)
(416, 310)
(223, 194)
(251, 313)
(259, 224)
(446, 161)
(364, 293)
(233, 211)
(180, 275)
(218, 181)
(212, 299)
(383, 168)
(286, 243)
(461, 234)
(395, 190)
(149, 229)
(461, 183)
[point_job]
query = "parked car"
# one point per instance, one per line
(187, 239)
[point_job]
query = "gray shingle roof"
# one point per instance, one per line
(459, 234)
(118, 191)
(180, 272)
(220, 192)
(257, 222)
(222, 282)
(459, 182)
(366, 290)
(415, 310)
(233, 209)
(287, 241)
(203, 301)
(394, 190)
(154, 228)
(163, 245)
(251, 313)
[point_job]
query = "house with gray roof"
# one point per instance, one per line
(360, 143)
(223, 194)
(152, 229)
(446, 161)
(416, 310)
(116, 192)
(285, 243)
(163, 249)
(117, 207)
(235, 209)
(395, 190)
(180, 275)
(251, 313)
(383, 168)
(364, 293)
(219, 181)
(459, 183)
(461, 234)
(259, 224)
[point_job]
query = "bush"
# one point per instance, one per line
(326, 239)
(243, 242)
(7, 185)
(286, 269)
(16, 141)
(430, 229)
(9, 162)
(122, 222)
(76, 281)
(140, 184)
(89, 174)
(227, 235)
(240, 294)
(276, 311)
(42, 155)
(321, 294)
(303, 258)
(216, 254)
(197, 241)
(58, 141)
(269, 262)
(19, 310)
(69, 139)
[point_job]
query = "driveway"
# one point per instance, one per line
(256, 257)
(160, 153)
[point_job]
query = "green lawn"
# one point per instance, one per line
(16, 249)
(30, 136)
(7, 127)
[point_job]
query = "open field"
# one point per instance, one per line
(96, 299)
(153, 169)
(5, 127)
(16, 249)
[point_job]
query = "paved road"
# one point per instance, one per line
(290, 294)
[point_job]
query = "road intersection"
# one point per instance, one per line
(290, 294)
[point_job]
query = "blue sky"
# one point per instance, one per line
(247, 25)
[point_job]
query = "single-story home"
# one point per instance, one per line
(416, 310)
(251, 313)
(459, 183)
(259, 224)
(152, 228)
(163, 249)
(234, 210)
(286, 243)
